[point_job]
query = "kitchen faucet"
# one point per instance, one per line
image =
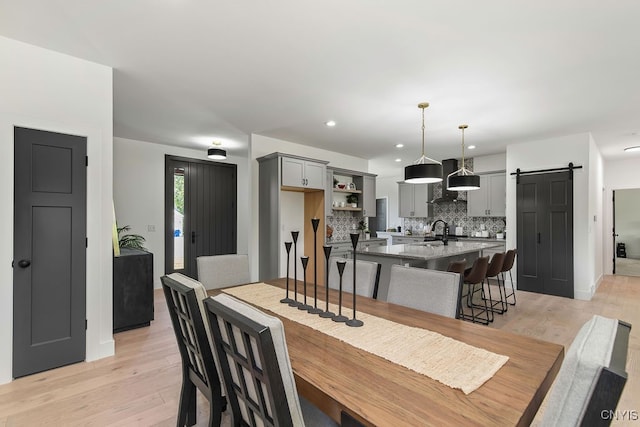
(445, 231)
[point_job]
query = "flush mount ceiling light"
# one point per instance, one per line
(330, 123)
(424, 170)
(463, 179)
(632, 149)
(399, 145)
(216, 153)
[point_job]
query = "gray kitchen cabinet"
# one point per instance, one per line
(297, 172)
(412, 200)
(328, 190)
(490, 199)
(368, 195)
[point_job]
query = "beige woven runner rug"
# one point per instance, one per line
(441, 358)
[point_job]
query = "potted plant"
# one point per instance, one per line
(353, 200)
(132, 241)
(364, 229)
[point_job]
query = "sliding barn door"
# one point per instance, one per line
(200, 212)
(545, 233)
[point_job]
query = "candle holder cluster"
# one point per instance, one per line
(314, 309)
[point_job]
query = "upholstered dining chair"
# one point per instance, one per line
(199, 368)
(252, 350)
(433, 291)
(587, 389)
(221, 271)
(367, 276)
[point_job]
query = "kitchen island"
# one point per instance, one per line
(431, 255)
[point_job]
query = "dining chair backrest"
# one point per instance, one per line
(495, 266)
(509, 258)
(592, 376)
(433, 291)
(221, 271)
(367, 276)
(478, 270)
(255, 363)
(184, 298)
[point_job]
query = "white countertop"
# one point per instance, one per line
(428, 250)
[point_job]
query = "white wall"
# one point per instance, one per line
(46, 90)
(491, 163)
(260, 146)
(138, 191)
(618, 175)
(553, 153)
(596, 190)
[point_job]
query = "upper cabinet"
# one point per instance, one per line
(490, 199)
(298, 172)
(413, 200)
(350, 191)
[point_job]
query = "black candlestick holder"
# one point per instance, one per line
(287, 300)
(295, 302)
(354, 242)
(315, 309)
(305, 261)
(339, 317)
(326, 313)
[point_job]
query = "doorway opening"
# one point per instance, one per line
(626, 232)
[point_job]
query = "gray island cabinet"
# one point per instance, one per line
(431, 255)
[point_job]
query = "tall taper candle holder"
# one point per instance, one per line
(339, 317)
(304, 260)
(315, 309)
(354, 242)
(326, 313)
(287, 300)
(295, 302)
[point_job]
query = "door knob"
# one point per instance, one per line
(24, 263)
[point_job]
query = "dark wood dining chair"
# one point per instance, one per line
(199, 370)
(254, 360)
(592, 376)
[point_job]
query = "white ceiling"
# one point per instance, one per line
(187, 72)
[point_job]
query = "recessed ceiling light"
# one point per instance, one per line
(471, 147)
(330, 123)
(634, 148)
(399, 145)
(398, 160)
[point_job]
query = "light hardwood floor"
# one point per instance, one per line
(140, 385)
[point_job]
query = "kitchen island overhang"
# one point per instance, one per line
(431, 255)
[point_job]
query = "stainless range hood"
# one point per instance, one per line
(448, 166)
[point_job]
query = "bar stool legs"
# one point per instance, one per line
(509, 258)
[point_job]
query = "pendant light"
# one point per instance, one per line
(463, 179)
(424, 170)
(216, 153)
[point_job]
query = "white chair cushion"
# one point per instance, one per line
(220, 271)
(427, 290)
(589, 353)
(366, 272)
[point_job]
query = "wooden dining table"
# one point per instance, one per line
(348, 383)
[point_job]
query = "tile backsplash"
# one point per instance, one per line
(455, 214)
(343, 223)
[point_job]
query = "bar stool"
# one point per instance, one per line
(472, 277)
(509, 258)
(493, 270)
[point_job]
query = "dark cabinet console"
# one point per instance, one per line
(132, 289)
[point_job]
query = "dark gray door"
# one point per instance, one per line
(545, 233)
(49, 274)
(202, 195)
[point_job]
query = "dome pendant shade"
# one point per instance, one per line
(463, 182)
(216, 154)
(423, 173)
